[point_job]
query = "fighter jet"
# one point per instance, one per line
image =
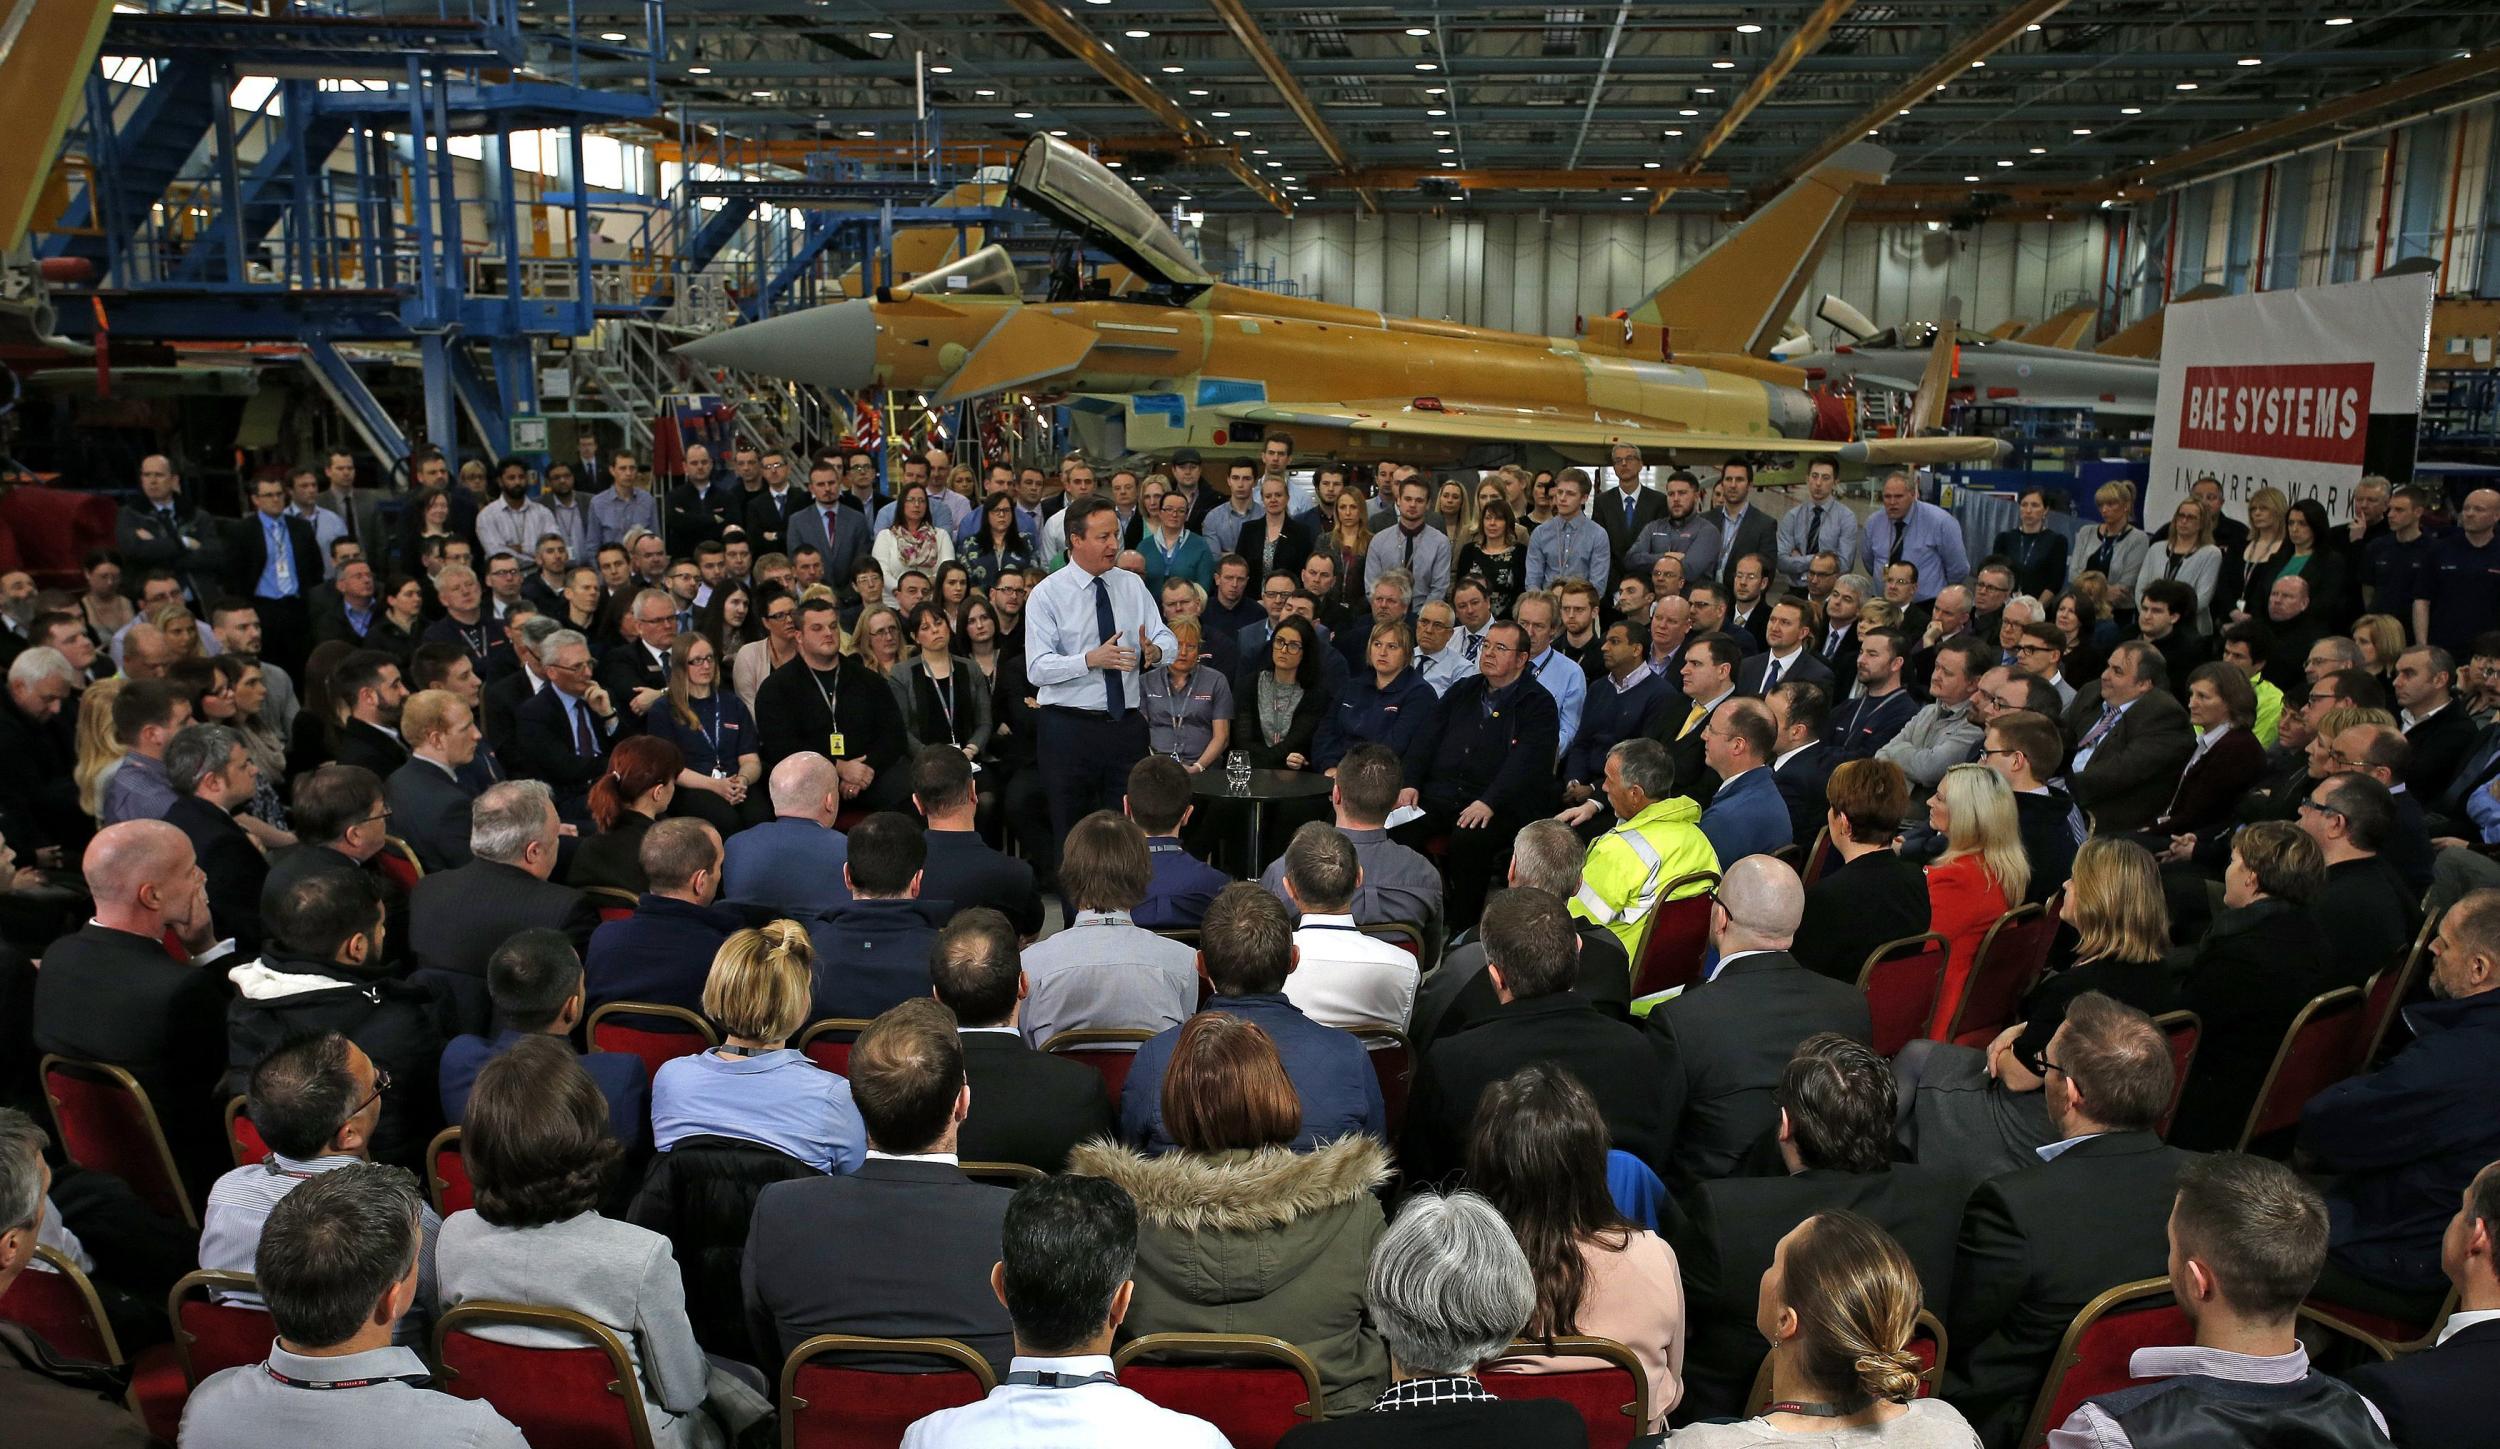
(1189, 361)
(2017, 371)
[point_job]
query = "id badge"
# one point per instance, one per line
(719, 774)
(833, 745)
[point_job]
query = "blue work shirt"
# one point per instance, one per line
(620, 1079)
(1367, 714)
(1180, 888)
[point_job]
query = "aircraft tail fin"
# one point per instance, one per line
(2007, 329)
(2066, 329)
(1738, 295)
(2143, 339)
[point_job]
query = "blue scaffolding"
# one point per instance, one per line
(330, 213)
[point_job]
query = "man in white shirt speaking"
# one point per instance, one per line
(1090, 631)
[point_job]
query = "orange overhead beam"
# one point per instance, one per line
(1246, 31)
(1578, 178)
(2361, 102)
(1802, 42)
(1077, 41)
(1983, 43)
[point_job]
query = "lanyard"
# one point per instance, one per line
(1175, 696)
(418, 1381)
(945, 690)
(827, 695)
(1051, 1379)
(711, 736)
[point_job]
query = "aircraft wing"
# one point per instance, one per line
(1402, 419)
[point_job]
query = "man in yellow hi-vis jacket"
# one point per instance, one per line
(1632, 867)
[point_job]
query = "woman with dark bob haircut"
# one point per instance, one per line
(538, 1149)
(1239, 1233)
(1538, 1154)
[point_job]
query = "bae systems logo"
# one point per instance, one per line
(2316, 412)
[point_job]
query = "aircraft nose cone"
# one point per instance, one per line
(830, 347)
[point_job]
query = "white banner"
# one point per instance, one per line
(2304, 391)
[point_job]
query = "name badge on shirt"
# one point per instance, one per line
(833, 744)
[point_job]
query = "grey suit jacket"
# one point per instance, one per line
(849, 541)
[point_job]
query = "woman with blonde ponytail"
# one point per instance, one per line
(1839, 1306)
(754, 1086)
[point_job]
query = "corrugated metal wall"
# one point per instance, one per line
(1538, 272)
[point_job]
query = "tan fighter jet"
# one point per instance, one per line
(1190, 361)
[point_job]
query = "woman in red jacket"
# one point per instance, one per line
(1982, 873)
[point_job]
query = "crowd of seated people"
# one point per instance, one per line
(789, 900)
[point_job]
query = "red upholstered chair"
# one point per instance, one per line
(62, 1309)
(2317, 1052)
(1901, 979)
(2388, 990)
(559, 1398)
(658, 1034)
(2386, 1335)
(1818, 855)
(397, 860)
(2183, 1031)
(241, 1135)
(614, 902)
(2011, 957)
(828, 1042)
(447, 1178)
(1393, 1061)
(1251, 1387)
(210, 1336)
(2092, 1358)
(1405, 935)
(1613, 1401)
(827, 1403)
(107, 1125)
(1009, 1175)
(1679, 935)
(1110, 1052)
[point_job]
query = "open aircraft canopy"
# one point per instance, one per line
(1073, 189)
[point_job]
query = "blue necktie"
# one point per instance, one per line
(1115, 697)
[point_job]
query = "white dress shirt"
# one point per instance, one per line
(1062, 627)
(1349, 980)
(1035, 1416)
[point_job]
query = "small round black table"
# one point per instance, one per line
(1265, 788)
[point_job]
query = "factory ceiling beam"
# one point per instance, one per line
(1253, 40)
(2329, 113)
(1802, 42)
(1982, 44)
(1074, 39)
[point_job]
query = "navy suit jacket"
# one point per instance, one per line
(1329, 1070)
(1180, 890)
(848, 543)
(2439, 1398)
(662, 952)
(964, 872)
(619, 1075)
(792, 866)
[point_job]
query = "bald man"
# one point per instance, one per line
(161, 531)
(113, 992)
(1724, 1048)
(145, 652)
(2456, 598)
(793, 862)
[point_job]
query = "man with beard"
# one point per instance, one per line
(513, 524)
(570, 511)
(1683, 532)
(687, 515)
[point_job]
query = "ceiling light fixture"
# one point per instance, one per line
(1436, 112)
(1196, 92)
(612, 35)
(2005, 163)
(941, 70)
(1172, 70)
(985, 93)
(1749, 28)
(1241, 133)
(1649, 166)
(1449, 163)
(1258, 150)
(1978, 65)
(1221, 115)
(2339, 20)
(2184, 86)
(1970, 178)
(1137, 34)
(1723, 65)
(1426, 65)
(1687, 111)
(1705, 90)
(2039, 150)
(2131, 110)
(1060, 134)
(1114, 165)
(698, 70)
(1024, 115)
(2083, 130)
(880, 35)
(2251, 60)
(1675, 133)
(761, 95)
(1449, 150)
(1418, 31)
(1436, 90)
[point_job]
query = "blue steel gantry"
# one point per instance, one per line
(330, 211)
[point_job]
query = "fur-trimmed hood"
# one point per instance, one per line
(1255, 1191)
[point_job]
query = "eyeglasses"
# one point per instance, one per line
(381, 1084)
(780, 616)
(2009, 754)
(2033, 649)
(2323, 808)
(382, 819)
(2047, 1066)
